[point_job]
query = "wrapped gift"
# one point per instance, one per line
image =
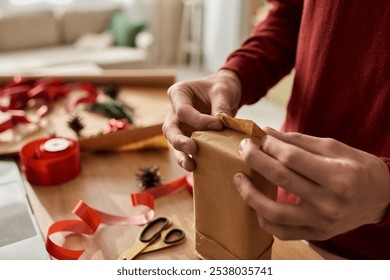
(226, 228)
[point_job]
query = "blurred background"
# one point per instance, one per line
(193, 37)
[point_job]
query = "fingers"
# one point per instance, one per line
(185, 115)
(182, 103)
(189, 115)
(307, 164)
(332, 180)
(220, 106)
(284, 220)
(225, 93)
(276, 172)
(259, 202)
(287, 232)
(183, 145)
(184, 160)
(321, 146)
(224, 100)
(191, 105)
(175, 135)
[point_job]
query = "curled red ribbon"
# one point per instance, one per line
(92, 218)
(21, 90)
(163, 189)
(89, 223)
(20, 117)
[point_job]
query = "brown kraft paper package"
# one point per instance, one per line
(226, 228)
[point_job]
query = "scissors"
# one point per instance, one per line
(156, 235)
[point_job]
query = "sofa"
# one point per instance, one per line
(71, 40)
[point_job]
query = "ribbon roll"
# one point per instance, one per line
(50, 161)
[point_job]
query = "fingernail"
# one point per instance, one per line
(185, 148)
(237, 180)
(270, 129)
(243, 143)
(222, 114)
(181, 163)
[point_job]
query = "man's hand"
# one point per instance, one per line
(339, 188)
(194, 105)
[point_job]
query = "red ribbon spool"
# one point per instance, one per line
(50, 161)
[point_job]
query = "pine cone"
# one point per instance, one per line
(149, 177)
(76, 124)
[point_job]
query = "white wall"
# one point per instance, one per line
(140, 9)
(222, 31)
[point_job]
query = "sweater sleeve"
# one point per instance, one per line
(269, 53)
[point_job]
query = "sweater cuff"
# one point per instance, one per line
(244, 72)
(386, 217)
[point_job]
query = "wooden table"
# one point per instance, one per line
(106, 182)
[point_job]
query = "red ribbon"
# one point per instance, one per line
(163, 189)
(92, 218)
(21, 90)
(48, 168)
(20, 117)
(89, 223)
(190, 183)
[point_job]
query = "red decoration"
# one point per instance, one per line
(92, 218)
(21, 90)
(115, 125)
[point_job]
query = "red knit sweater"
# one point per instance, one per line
(341, 53)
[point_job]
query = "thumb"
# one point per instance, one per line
(222, 104)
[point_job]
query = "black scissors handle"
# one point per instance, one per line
(154, 229)
(168, 238)
(174, 236)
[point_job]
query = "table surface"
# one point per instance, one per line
(106, 182)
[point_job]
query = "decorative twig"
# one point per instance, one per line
(113, 109)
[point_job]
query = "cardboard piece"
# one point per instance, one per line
(125, 139)
(226, 228)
